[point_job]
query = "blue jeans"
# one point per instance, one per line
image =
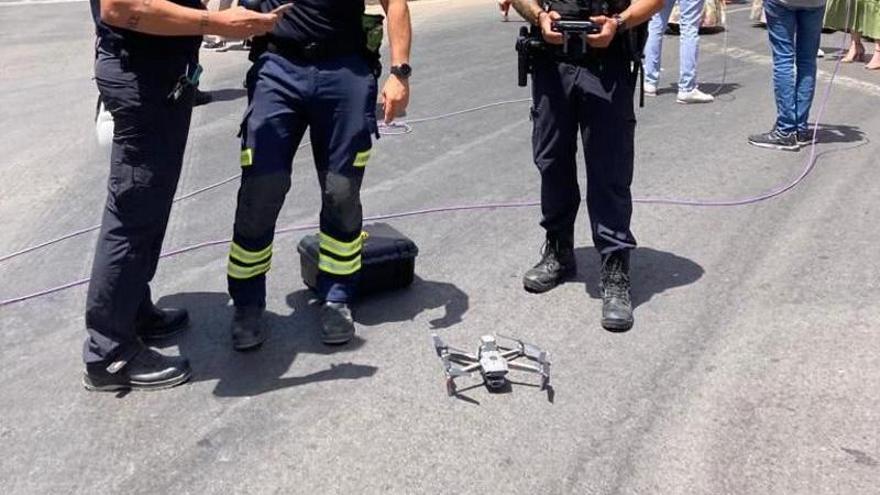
(794, 42)
(689, 24)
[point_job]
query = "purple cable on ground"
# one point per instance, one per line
(808, 167)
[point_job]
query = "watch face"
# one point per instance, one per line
(403, 70)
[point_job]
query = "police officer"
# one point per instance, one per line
(317, 70)
(146, 69)
(586, 83)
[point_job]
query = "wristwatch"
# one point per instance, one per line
(621, 24)
(402, 71)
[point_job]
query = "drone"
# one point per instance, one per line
(493, 361)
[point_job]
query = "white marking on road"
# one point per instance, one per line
(738, 9)
(823, 75)
(19, 3)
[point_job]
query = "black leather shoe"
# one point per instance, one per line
(617, 313)
(146, 370)
(248, 328)
(337, 324)
(557, 264)
(158, 324)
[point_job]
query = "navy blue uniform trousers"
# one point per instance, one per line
(596, 99)
(335, 99)
(150, 133)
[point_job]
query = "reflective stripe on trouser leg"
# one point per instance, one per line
(337, 257)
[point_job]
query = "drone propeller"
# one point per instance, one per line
(544, 362)
(439, 346)
(530, 351)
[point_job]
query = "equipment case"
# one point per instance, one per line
(388, 260)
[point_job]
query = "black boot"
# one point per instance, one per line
(557, 264)
(146, 370)
(157, 324)
(248, 328)
(337, 324)
(617, 313)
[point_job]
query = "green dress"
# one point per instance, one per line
(864, 16)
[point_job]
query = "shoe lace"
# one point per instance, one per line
(615, 281)
(548, 257)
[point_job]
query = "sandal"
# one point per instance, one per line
(858, 56)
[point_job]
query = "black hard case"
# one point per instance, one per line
(388, 260)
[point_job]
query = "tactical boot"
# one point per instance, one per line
(248, 328)
(146, 370)
(557, 264)
(337, 325)
(158, 324)
(617, 313)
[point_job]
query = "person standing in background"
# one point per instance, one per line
(859, 18)
(795, 29)
(691, 15)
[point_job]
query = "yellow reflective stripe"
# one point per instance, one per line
(336, 267)
(242, 272)
(247, 157)
(360, 160)
(245, 256)
(339, 248)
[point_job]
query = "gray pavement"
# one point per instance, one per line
(753, 366)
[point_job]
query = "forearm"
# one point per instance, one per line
(399, 30)
(641, 11)
(530, 10)
(159, 17)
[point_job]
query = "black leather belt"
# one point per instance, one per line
(312, 51)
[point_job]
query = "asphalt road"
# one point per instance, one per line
(754, 365)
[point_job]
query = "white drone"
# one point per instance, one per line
(492, 361)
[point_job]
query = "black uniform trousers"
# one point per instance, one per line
(595, 97)
(150, 133)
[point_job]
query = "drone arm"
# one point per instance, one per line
(456, 355)
(523, 367)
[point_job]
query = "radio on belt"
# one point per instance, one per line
(388, 259)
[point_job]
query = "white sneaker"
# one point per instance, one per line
(650, 89)
(694, 96)
(820, 53)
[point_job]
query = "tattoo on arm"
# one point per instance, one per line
(133, 22)
(528, 9)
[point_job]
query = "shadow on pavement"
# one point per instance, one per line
(652, 272)
(227, 94)
(831, 133)
(405, 304)
(208, 345)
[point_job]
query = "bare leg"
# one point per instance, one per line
(874, 64)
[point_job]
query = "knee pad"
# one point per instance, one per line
(342, 201)
(260, 199)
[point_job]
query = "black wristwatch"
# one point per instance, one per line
(402, 71)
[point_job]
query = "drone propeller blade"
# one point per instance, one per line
(530, 351)
(533, 352)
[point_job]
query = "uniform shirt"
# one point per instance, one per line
(113, 37)
(324, 21)
(581, 9)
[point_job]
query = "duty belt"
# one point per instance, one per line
(312, 51)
